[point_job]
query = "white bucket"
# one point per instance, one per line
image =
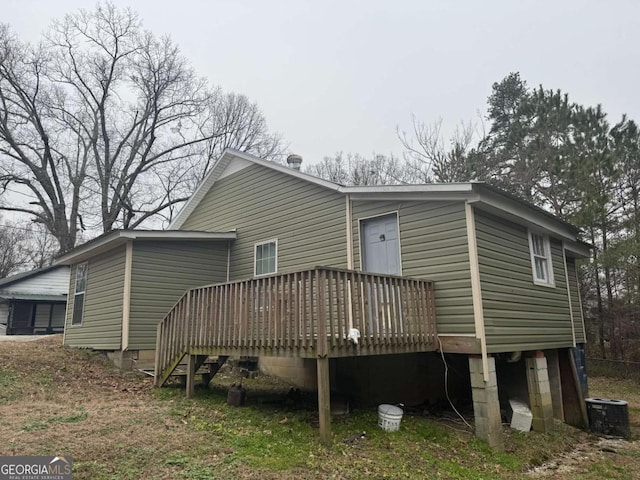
(389, 417)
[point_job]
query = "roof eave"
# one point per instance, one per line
(578, 249)
(432, 192)
(497, 202)
(19, 277)
(120, 237)
(32, 297)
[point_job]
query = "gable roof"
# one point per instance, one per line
(117, 238)
(219, 167)
(19, 277)
(480, 194)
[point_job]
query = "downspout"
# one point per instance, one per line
(476, 290)
(566, 278)
(348, 226)
(126, 303)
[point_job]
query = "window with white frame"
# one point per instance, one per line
(266, 258)
(78, 297)
(541, 264)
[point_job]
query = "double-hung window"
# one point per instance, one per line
(78, 296)
(541, 263)
(266, 258)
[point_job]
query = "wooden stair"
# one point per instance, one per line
(205, 366)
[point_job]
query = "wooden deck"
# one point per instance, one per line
(301, 314)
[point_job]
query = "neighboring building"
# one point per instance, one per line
(503, 270)
(34, 303)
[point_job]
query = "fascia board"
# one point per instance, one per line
(578, 249)
(521, 214)
(120, 237)
(432, 188)
(409, 196)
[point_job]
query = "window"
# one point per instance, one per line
(78, 296)
(266, 258)
(541, 259)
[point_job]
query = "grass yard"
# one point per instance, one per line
(55, 400)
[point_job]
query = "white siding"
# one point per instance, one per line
(53, 282)
(4, 318)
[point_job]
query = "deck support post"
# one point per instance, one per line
(324, 399)
(553, 367)
(539, 392)
(573, 402)
(191, 374)
(486, 405)
(322, 361)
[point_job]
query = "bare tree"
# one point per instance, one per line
(13, 258)
(32, 145)
(354, 169)
(137, 103)
(100, 118)
(243, 127)
(39, 246)
(428, 159)
(25, 246)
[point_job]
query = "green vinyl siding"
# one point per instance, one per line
(161, 272)
(518, 314)
(433, 238)
(263, 204)
(578, 322)
(101, 326)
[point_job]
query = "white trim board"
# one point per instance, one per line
(255, 257)
(476, 288)
(126, 298)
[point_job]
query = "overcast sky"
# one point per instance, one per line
(340, 76)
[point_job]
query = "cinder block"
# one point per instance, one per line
(543, 425)
(486, 405)
(477, 380)
(539, 393)
(480, 410)
(492, 382)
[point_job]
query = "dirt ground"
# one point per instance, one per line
(601, 457)
(115, 425)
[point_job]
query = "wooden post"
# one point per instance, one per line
(573, 401)
(159, 350)
(191, 374)
(187, 318)
(322, 361)
(581, 399)
(324, 400)
(553, 367)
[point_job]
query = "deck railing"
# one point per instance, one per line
(307, 314)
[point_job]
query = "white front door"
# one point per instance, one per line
(381, 245)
